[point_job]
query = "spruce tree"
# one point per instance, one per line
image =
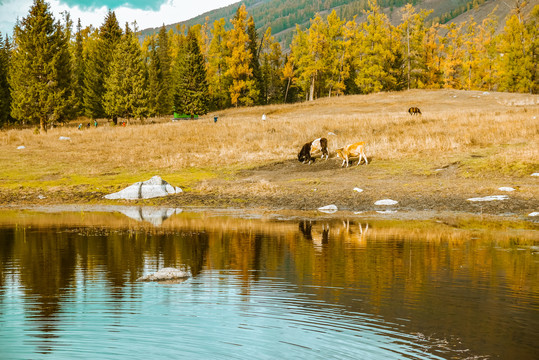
(41, 94)
(125, 88)
(78, 70)
(254, 63)
(155, 82)
(101, 50)
(5, 93)
(164, 102)
(191, 85)
(272, 72)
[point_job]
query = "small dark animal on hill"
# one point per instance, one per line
(320, 144)
(414, 110)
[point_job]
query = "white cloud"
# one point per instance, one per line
(172, 11)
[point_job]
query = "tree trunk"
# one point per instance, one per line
(286, 92)
(408, 49)
(42, 125)
(311, 90)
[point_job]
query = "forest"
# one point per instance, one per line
(52, 72)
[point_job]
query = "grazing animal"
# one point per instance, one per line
(352, 150)
(320, 144)
(305, 153)
(414, 110)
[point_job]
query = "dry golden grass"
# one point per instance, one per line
(501, 128)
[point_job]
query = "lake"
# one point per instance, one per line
(265, 287)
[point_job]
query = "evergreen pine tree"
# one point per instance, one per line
(164, 102)
(191, 85)
(155, 82)
(272, 71)
(254, 63)
(5, 93)
(40, 62)
(533, 29)
(78, 70)
(125, 88)
(65, 70)
(101, 50)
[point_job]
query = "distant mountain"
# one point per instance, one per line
(283, 15)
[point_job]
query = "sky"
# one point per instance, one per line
(147, 13)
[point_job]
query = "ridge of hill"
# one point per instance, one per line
(283, 15)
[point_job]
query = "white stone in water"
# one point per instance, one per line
(535, 213)
(506, 188)
(329, 209)
(386, 202)
(490, 198)
(358, 189)
(155, 187)
(168, 273)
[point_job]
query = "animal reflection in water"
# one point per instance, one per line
(318, 234)
(354, 236)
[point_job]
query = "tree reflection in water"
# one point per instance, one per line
(440, 280)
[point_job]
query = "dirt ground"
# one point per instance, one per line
(291, 185)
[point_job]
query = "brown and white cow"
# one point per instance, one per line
(352, 150)
(320, 144)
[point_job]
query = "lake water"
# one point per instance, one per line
(265, 288)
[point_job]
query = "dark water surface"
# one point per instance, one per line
(265, 288)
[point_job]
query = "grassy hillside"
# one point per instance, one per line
(283, 15)
(500, 128)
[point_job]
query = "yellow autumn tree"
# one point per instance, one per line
(375, 52)
(243, 88)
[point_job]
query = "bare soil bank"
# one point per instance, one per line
(290, 185)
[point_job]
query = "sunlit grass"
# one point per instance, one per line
(483, 133)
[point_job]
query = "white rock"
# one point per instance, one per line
(386, 202)
(358, 189)
(329, 209)
(506, 188)
(41, 197)
(386, 211)
(21, 147)
(168, 273)
(535, 213)
(155, 187)
(490, 198)
(535, 174)
(64, 138)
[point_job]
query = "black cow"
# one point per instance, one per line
(414, 110)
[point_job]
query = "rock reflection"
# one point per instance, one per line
(154, 216)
